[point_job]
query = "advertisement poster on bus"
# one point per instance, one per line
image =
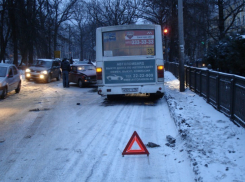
(129, 43)
(139, 37)
(137, 71)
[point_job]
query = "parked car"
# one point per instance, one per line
(82, 74)
(44, 70)
(10, 79)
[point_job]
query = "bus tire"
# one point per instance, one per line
(111, 97)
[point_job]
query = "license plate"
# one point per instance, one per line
(130, 89)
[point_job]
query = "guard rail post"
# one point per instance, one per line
(232, 97)
(200, 83)
(217, 92)
(208, 86)
(195, 76)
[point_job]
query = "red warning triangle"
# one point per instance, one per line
(132, 148)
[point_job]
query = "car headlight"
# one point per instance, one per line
(28, 75)
(44, 72)
(28, 70)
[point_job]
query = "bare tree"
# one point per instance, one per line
(228, 10)
(4, 29)
(12, 9)
(81, 21)
(164, 13)
(155, 11)
(62, 12)
(219, 16)
(195, 18)
(113, 12)
(27, 29)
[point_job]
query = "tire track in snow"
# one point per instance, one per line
(85, 142)
(99, 138)
(23, 134)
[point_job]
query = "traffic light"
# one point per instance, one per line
(165, 31)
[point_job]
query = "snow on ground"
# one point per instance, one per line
(215, 145)
(84, 143)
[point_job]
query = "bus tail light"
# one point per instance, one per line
(99, 73)
(160, 72)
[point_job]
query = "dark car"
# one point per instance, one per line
(44, 70)
(10, 79)
(82, 74)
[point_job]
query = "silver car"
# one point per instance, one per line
(9, 79)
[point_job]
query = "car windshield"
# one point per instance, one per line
(42, 63)
(86, 67)
(3, 71)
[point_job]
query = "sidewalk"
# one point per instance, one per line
(215, 145)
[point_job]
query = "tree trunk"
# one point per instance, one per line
(13, 24)
(3, 38)
(221, 20)
(81, 45)
(31, 52)
(55, 37)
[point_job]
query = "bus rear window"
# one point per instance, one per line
(129, 43)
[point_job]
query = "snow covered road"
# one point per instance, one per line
(65, 141)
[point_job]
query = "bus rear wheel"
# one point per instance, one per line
(111, 97)
(156, 96)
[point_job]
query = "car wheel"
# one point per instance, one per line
(18, 88)
(80, 83)
(48, 79)
(5, 90)
(58, 78)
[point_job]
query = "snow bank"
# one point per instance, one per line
(214, 144)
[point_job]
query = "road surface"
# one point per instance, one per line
(51, 133)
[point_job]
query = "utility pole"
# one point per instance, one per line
(181, 45)
(165, 32)
(69, 54)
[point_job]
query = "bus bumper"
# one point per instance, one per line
(129, 89)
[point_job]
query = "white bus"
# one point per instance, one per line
(129, 60)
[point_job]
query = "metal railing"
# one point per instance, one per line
(225, 92)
